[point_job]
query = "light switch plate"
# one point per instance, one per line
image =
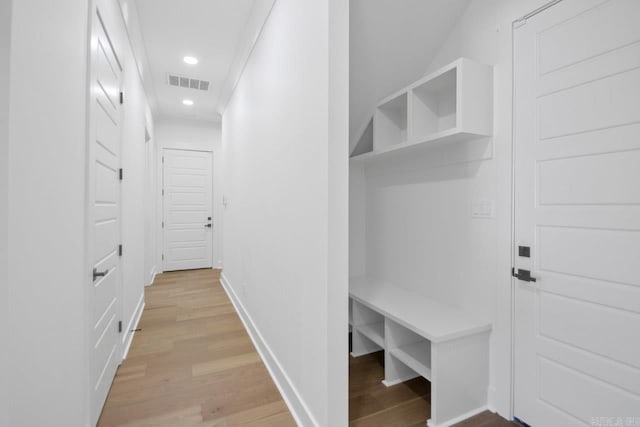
(483, 209)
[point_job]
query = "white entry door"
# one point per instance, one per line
(104, 214)
(577, 198)
(188, 222)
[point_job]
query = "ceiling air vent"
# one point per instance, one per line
(188, 83)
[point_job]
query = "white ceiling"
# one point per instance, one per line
(392, 43)
(216, 32)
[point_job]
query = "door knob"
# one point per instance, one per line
(97, 273)
(208, 225)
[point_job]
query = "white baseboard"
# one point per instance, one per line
(290, 394)
(456, 420)
(133, 324)
(399, 380)
(153, 275)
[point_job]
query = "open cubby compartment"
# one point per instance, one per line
(434, 107)
(390, 124)
(367, 330)
(409, 348)
(454, 103)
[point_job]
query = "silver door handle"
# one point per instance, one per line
(97, 273)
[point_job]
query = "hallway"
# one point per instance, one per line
(192, 363)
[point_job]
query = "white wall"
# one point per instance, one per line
(131, 18)
(201, 136)
(134, 190)
(337, 408)
(5, 37)
(285, 141)
(141, 87)
(47, 345)
(151, 198)
(136, 120)
(420, 231)
(357, 220)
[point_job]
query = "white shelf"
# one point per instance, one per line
(428, 318)
(416, 356)
(451, 105)
(373, 331)
(424, 337)
(408, 148)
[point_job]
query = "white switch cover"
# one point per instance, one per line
(483, 209)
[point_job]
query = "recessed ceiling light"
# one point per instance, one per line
(187, 102)
(190, 60)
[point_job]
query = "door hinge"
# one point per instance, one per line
(119, 250)
(162, 224)
(121, 172)
(121, 98)
(120, 327)
(163, 191)
(163, 257)
(519, 23)
(162, 159)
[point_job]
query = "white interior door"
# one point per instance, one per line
(188, 219)
(577, 198)
(104, 214)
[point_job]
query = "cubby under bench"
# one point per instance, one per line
(423, 337)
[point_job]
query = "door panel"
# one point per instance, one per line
(588, 327)
(603, 103)
(558, 386)
(572, 251)
(596, 180)
(187, 209)
(577, 204)
(588, 34)
(104, 214)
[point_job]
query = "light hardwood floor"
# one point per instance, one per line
(192, 364)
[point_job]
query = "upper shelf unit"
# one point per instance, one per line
(454, 103)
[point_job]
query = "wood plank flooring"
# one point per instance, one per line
(371, 404)
(192, 364)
